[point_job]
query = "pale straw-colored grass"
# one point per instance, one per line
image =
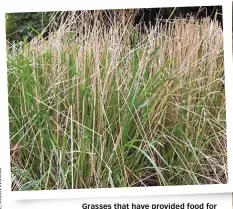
(100, 104)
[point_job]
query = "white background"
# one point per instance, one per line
(223, 200)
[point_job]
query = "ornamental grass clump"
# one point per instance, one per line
(107, 103)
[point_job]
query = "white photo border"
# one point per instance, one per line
(43, 5)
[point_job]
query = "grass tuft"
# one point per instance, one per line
(103, 105)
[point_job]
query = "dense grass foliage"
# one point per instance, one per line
(26, 25)
(101, 105)
(29, 24)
